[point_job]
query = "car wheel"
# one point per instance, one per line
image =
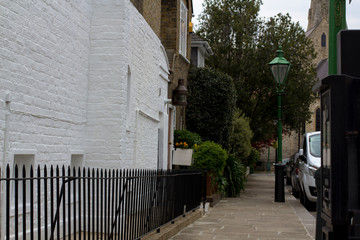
(306, 202)
(310, 206)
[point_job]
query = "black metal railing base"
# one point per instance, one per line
(64, 203)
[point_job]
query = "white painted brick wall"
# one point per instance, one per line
(124, 45)
(44, 48)
(64, 69)
(64, 66)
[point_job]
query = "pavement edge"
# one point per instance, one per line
(170, 229)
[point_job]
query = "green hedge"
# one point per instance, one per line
(211, 105)
(210, 156)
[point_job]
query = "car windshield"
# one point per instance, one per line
(314, 142)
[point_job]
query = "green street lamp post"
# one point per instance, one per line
(337, 21)
(280, 68)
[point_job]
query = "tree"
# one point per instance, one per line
(240, 140)
(243, 44)
(298, 96)
(230, 27)
(211, 105)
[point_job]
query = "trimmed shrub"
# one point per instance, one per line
(211, 105)
(210, 156)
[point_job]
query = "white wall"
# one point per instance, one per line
(44, 48)
(81, 77)
(126, 90)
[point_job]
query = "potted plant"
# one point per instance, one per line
(185, 142)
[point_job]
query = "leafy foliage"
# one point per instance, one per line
(243, 45)
(253, 158)
(211, 105)
(210, 156)
(240, 141)
(300, 52)
(234, 173)
(181, 136)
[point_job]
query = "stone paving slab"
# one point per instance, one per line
(254, 215)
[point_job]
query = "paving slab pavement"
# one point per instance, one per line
(254, 215)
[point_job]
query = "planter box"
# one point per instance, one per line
(182, 157)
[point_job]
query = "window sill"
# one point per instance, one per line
(184, 58)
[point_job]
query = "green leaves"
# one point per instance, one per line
(186, 136)
(243, 45)
(210, 156)
(240, 141)
(211, 105)
(235, 175)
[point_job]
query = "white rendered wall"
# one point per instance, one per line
(81, 77)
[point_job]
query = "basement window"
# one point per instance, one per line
(77, 161)
(21, 161)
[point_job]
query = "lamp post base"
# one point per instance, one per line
(279, 182)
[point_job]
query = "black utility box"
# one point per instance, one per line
(340, 128)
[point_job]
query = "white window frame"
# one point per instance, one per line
(183, 29)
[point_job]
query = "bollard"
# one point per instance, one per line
(279, 182)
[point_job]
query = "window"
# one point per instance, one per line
(21, 161)
(314, 143)
(183, 29)
(323, 40)
(304, 146)
(77, 161)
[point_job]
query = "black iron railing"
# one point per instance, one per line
(63, 203)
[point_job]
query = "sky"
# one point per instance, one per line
(298, 10)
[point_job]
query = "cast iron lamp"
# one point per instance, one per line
(280, 69)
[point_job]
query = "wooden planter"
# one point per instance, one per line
(182, 157)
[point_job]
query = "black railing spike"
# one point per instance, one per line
(7, 197)
(31, 202)
(45, 201)
(93, 204)
(24, 199)
(16, 202)
(39, 200)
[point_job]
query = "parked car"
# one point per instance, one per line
(295, 184)
(289, 167)
(310, 162)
